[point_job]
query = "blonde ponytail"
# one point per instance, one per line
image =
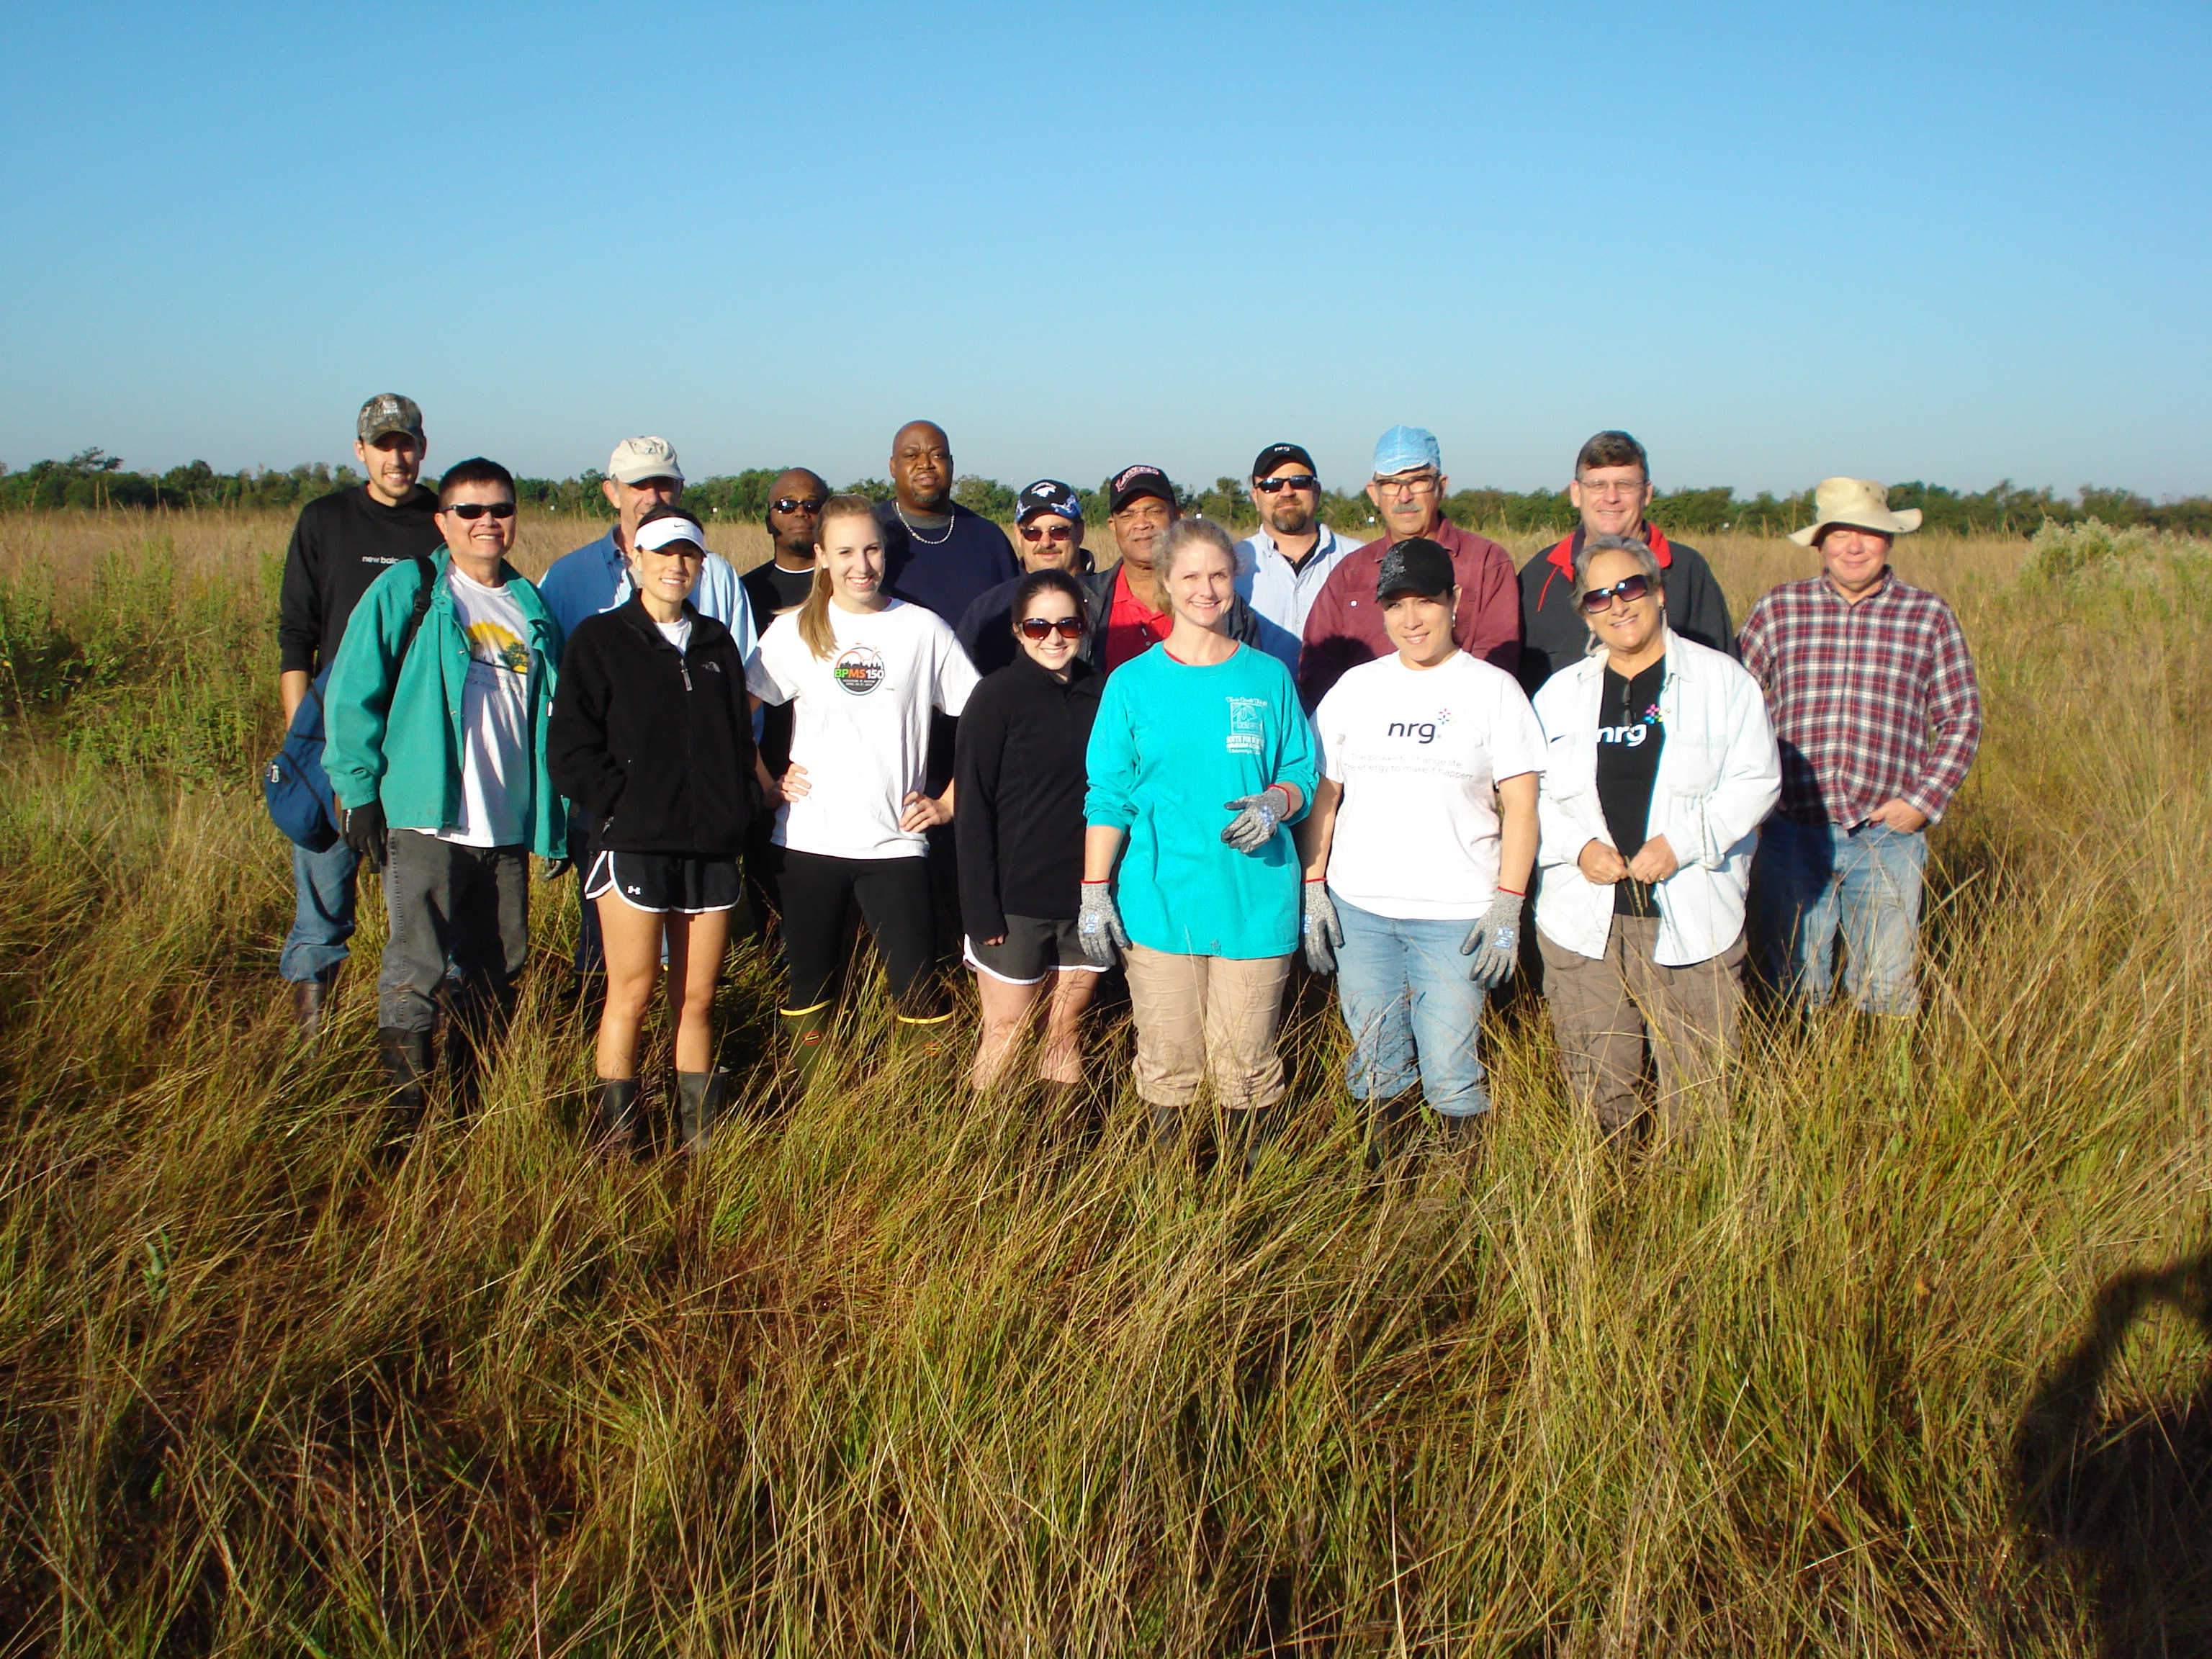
(814, 629)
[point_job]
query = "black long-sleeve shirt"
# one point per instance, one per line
(1017, 817)
(343, 543)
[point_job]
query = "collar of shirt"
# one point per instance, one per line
(1882, 590)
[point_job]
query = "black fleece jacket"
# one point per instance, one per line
(1018, 820)
(655, 746)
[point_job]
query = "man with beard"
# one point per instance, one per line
(1285, 562)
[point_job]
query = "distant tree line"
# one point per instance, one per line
(93, 479)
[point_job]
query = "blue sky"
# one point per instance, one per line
(1775, 242)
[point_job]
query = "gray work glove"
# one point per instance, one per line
(1319, 927)
(1098, 924)
(1257, 819)
(1494, 942)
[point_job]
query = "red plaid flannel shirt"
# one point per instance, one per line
(1873, 701)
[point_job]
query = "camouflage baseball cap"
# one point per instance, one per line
(388, 411)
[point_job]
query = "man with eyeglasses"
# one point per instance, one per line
(341, 544)
(1612, 491)
(641, 474)
(1049, 533)
(937, 553)
(1285, 562)
(438, 706)
(1344, 629)
(793, 515)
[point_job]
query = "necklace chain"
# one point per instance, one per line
(917, 535)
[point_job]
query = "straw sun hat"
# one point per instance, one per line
(1859, 502)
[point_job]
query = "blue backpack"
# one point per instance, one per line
(294, 784)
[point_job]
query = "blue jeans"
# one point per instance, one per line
(1812, 883)
(323, 886)
(1407, 998)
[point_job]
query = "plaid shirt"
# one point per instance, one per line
(1873, 701)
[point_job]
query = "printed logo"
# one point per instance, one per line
(1419, 730)
(714, 667)
(493, 645)
(860, 669)
(1248, 726)
(635, 892)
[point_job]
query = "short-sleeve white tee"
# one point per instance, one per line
(861, 726)
(495, 713)
(1418, 751)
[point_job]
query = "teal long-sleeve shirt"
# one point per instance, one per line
(1171, 743)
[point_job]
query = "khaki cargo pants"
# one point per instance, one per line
(1201, 1016)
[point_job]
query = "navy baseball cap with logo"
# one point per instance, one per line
(1048, 496)
(1416, 565)
(1276, 456)
(1134, 484)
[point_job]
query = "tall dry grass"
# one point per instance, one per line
(890, 1373)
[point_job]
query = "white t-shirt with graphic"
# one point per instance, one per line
(494, 714)
(861, 727)
(1418, 751)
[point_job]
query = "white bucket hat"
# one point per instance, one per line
(1859, 502)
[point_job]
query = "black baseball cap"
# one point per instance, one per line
(1048, 496)
(1135, 482)
(1416, 565)
(1275, 455)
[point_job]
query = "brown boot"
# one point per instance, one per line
(309, 998)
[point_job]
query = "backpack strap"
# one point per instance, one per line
(429, 573)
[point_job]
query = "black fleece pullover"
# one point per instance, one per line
(341, 544)
(652, 743)
(1018, 817)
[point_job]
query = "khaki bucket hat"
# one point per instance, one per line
(1859, 502)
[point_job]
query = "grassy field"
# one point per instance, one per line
(1911, 1359)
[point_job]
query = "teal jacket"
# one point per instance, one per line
(1171, 744)
(402, 744)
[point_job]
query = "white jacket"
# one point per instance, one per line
(1719, 776)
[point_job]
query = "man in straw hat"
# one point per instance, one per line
(1878, 715)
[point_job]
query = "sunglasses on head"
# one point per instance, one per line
(1037, 627)
(1297, 480)
(1051, 532)
(799, 503)
(473, 510)
(1627, 589)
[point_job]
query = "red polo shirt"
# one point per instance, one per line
(1131, 629)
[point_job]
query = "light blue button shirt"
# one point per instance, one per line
(595, 578)
(1281, 595)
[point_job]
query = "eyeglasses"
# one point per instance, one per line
(1627, 589)
(474, 510)
(1037, 627)
(1614, 486)
(799, 503)
(1298, 481)
(1054, 533)
(1424, 484)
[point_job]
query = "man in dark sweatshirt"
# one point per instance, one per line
(936, 552)
(1611, 489)
(341, 544)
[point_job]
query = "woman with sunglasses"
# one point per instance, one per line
(866, 671)
(1019, 771)
(1662, 764)
(652, 737)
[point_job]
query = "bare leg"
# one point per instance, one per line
(1006, 1009)
(1061, 1060)
(696, 944)
(633, 949)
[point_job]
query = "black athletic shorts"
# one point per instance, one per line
(661, 882)
(1034, 947)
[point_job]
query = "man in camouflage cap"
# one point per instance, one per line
(343, 543)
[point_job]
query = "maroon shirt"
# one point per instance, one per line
(1345, 627)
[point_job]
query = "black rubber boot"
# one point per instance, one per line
(1465, 1136)
(1167, 1128)
(310, 997)
(807, 1030)
(1248, 1139)
(407, 1062)
(699, 1102)
(616, 1132)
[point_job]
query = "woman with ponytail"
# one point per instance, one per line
(864, 671)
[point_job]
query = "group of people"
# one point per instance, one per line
(1194, 765)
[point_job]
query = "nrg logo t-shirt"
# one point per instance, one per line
(1629, 738)
(860, 725)
(1418, 752)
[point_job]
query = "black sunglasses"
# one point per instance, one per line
(478, 510)
(1627, 589)
(1296, 481)
(799, 503)
(1037, 627)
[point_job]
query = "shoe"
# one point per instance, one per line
(615, 1134)
(408, 1059)
(698, 1102)
(1167, 1128)
(1465, 1136)
(1390, 1124)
